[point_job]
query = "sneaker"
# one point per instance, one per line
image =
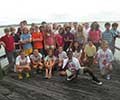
(71, 77)
(20, 77)
(108, 77)
(98, 83)
(27, 75)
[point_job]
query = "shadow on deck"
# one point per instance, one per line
(58, 88)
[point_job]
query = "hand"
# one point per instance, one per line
(95, 61)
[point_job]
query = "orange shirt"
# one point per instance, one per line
(39, 43)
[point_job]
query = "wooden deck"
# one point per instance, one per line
(57, 88)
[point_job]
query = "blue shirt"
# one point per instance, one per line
(114, 32)
(26, 37)
(107, 35)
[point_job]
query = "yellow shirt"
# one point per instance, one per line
(90, 50)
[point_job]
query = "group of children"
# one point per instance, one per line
(71, 49)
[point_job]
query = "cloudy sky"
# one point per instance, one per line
(13, 11)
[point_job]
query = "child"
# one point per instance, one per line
(105, 58)
(25, 40)
(95, 34)
(71, 68)
(80, 36)
(76, 50)
(68, 38)
(22, 64)
(37, 38)
(8, 42)
(49, 63)
(60, 55)
(36, 60)
(49, 38)
(59, 38)
(90, 52)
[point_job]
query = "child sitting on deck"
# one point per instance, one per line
(105, 58)
(49, 63)
(36, 60)
(22, 64)
(71, 68)
(76, 50)
(60, 55)
(90, 52)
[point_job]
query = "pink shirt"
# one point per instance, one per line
(59, 39)
(95, 36)
(49, 39)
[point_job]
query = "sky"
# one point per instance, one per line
(14, 11)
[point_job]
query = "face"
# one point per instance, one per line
(80, 28)
(107, 27)
(36, 52)
(76, 44)
(25, 30)
(67, 29)
(36, 29)
(105, 48)
(60, 49)
(31, 30)
(70, 54)
(115, 27)
(22, 55)
(90, 43)
(61, 31)
(50, 52)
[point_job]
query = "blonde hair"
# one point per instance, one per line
(104, 44)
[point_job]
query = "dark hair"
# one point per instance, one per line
(115, 25)
(21, 51)
(43, 23)
(97, 25)
(73, 48)
(67, 28)
(107, 24)
(6, 30)
(63, 31)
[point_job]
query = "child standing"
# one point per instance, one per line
(25, 40)
(37, 38)
(49, 38)
(105, 58)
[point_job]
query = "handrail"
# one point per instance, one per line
(1, 26)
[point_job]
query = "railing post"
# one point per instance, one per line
(1, 73)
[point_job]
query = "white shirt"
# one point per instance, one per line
(104, 56)
(20, 61)
(62, 55)
(36, 58)
(74, 60)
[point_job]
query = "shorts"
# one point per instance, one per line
(80, 71)
(50, 46)
(28, 51)
(105, 71)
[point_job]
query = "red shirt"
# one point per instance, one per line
(9, 42)
(38, 44)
